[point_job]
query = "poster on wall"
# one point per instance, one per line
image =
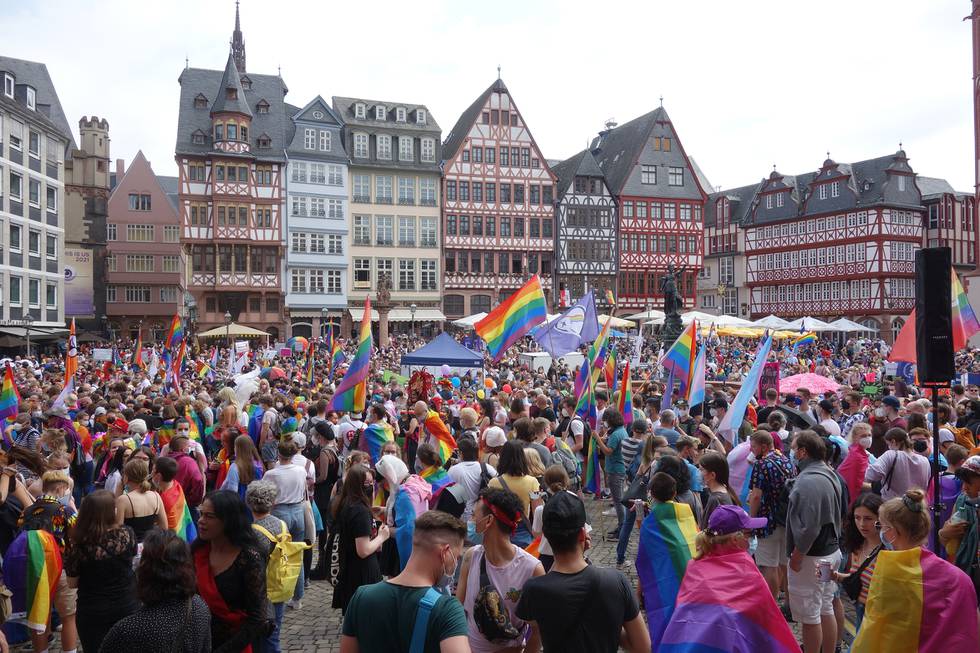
(78, 283)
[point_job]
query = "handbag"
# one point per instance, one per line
(489, 612)
(877, 486)
(638, 489)
(852, 584)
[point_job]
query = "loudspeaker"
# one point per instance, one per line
(933, 316)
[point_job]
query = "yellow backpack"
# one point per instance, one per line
(285, 561)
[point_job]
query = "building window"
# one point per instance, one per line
(139, 263)
(648, 174)
(171, 233)
(51, 295)
(110, 263)
(8, 85)
(333, 282)
(51, 246)
(406, 232)
(138, 294)
(384, 146)
(325, 141)
(406, 274)
(428, 232)
(823, 191)
(334, 244)
(110, 232)
(380, 113)
(406, 147)
(362, 188)
(428, 278)
(309, 138)
(428, 150)
(14, 239)
(362, 230)
(420, 116)
(406, 191)
(427, 191)
(382, 189)
(361, 146)
(139, 202)
(15, 186)
(34, 243)
(168, 294)
(16, 132)
(835, 189)
(34, 192)
(450, 191)
(400, 114)
(359, 111)
(675, 176)
(31, 98)
(139, 233)
(34, 144)
(384, 266)
(297, 281)
(52, 198)
(450, 225)
(15, 298)
(171, 264)
(384, 230)
(780, 198)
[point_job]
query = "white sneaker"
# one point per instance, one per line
(294, 604)
(609, 512)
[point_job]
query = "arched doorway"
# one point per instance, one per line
(304, 329)
(874, 328)
(897, 325)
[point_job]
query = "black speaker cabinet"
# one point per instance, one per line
(933, 316)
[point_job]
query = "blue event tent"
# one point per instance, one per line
(443, 350)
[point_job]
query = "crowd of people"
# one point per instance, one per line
(191, 514)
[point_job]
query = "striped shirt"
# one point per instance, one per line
(630, 448)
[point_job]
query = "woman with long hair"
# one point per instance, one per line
(140, 507)
(173, 617)
(230, 570)
(99, 562)
(245, 468)
(674, 466)
(359, 541)
(513, 475)
(862, 543)
(114, 470)
(899, 468)
(714, 473)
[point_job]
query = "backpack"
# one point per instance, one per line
(484, 477)
(353, 438)
(285, 562)
(566, 458)
(451, 500)
(255, 427)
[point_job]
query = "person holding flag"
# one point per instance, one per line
(71, 354)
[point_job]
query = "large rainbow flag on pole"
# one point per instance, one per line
(626, 396)
(724, 605)
(71, 354)
(175, 334)
(137, 360)
(679, 358)
(918, 603)
(351, 394)
(513, 319)
(31, 569)
(9, 396)
(666, 546)
(586, 409)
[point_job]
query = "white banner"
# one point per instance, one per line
(241, 346)
(102, 354)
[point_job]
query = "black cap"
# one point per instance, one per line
(563, 512)
(719, 403)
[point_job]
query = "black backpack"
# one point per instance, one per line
(451, 500)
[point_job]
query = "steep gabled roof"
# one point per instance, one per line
(230, 80)
(466, 120)
(582, 164)
(36, 74)
(617, 150)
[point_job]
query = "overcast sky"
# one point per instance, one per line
(748, 84)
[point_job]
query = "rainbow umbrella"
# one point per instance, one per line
(273, 373)
(298, 343)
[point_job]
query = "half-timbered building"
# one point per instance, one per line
(721, 281)
(837, 242)
(230, 160)
(586, 251)
(498, 206)
(950, 221)
(660, 195)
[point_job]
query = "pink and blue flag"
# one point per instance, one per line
(728, 427)
(695, 392)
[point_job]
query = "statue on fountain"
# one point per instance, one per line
(673, 303)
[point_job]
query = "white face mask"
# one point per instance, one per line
(879, 412)
(750, 459)
(865, 442)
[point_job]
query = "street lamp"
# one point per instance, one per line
(29, 320)
(228, 328)
(324, 313)
(412, 309)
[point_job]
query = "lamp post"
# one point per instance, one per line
(324, 313)
(29, 320)
(412, 309)
(228, 329)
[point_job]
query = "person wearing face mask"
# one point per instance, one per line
(885, 417)
(936, 612)
(813, 528)
(721, 570)
(960, 535)
(504, 567)
(439, 620)
(856, 462)
(850, 406)
(767, 482)
(899, 468)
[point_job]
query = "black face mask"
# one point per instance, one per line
(920, 446)
(845, 404)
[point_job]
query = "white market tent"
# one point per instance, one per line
(652, 314)
(468, 321)
(615, 322)
(810, 324)
(845, 325)
(771, 322)
(707, 319)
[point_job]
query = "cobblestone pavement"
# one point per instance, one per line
(316, 627)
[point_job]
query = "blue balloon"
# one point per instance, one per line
(455, 381)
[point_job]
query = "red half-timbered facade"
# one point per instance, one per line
(950, 221)
(497, 212)
(660, 198)
(230, 159)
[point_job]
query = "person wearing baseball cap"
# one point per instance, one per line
(577, 607)
(962, 530)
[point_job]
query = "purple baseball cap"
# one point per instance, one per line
(729, 519)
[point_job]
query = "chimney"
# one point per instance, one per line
(120, 168)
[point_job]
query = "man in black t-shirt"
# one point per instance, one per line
(577, 607)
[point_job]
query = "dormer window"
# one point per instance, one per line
(8, 85)
(200, 102)
(262, 106)
(359, 111)
(31, 98)
(400, 114)
(420, 116)
(198, 137)
(380, 113)
(246, 83)
(264, 141)
(231, 93)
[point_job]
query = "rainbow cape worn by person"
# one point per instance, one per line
(679, 359)
(438, 479)
(437, 429)
(666, 545)
(626, 396)
(351, 394)
(918, 603)
(178, 513)
(31, 568)
(511, 320)
(374, 438)
(9, 396)
(724, 605)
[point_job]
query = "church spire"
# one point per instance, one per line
(238, 43)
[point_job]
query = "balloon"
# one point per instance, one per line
(455, 381)
(488, 383)
(445, 369)
(506, 388)
(480, 394)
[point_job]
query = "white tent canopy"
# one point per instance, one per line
(843, 324)
(809, 324)
(468, 321)
(771, 322)
(707, 319)
(652, 314)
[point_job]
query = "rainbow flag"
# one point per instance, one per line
(178, 513)
(9, 396)
(534, 548)
(175, 334)
(195, 421)
(918, 603)
(437, 429)
(179, 364)
(679, 358)
(696, 389)
(136, 362)
(438, 479)
(71, 354)
(610, 371)
(724, 605)
(351, 394)
(586, 409)
(374, 438)
(511, 320)
(203, 369)
(31, 569)
(308, 371)
(666, 546)
(965, 324)
(610, 298)
(626, 396)
(164, 434)
(804, 340)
